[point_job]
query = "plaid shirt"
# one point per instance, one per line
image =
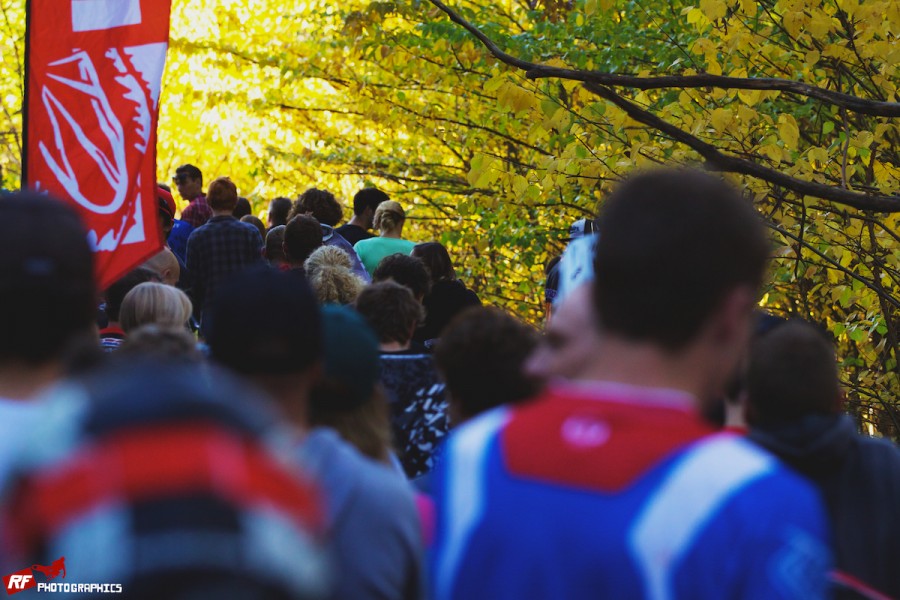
(216, 250)
(198, 212)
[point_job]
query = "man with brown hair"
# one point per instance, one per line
(220, 248)
(417, 400)
(611, 485)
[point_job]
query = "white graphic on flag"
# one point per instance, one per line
(145, 63)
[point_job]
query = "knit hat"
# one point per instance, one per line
(351, 355)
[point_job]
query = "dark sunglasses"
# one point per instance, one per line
(178, 179)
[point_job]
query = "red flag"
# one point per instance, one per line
(91, 108)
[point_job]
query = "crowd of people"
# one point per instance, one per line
(304, 409)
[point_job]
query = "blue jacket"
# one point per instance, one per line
(610, 491)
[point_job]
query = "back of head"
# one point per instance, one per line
(275, 244)
(389, 216)
(672, 245)
(406, 270)
(347, 397)
(302, 235)
(278, 211)
(46, 278)
(162, 343)
(391, 310)
(116, 292)
(792, 373)
(157, 303)
(368, 198)
(480, 355)
(252, 220)
(266, 322)
(222, 194)
(351, 361)
(165, 264)
(330, 273)
(321, 204)
(242, 208)
(436, 259)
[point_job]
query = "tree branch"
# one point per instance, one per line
(536, 71)
(733, 164)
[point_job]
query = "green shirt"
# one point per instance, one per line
(373, 250)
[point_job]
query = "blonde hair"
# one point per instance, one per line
(389, 216)
(152, 302)
(330, 273)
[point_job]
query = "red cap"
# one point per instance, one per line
(166, 201)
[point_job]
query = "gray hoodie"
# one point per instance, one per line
(374, 531)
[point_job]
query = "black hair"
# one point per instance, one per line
(191, 171)
(672, 244)
(406, 270)
(368, 198)
(279, 209)
(436, 259)
(321, 204)
(302, 235)
(480, 355)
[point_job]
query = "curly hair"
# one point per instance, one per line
(391, 310)
(321, 204)
(389, 216)
(329, 271)
(480, 356)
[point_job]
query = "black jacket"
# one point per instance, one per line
(859, 478)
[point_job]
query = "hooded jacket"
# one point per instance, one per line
(859, 479)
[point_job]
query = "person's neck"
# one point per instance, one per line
(358, 222)
(394, 346)
(291, 392)
(222, 213)
(20, 381)
(646, 365)
(395, 234)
